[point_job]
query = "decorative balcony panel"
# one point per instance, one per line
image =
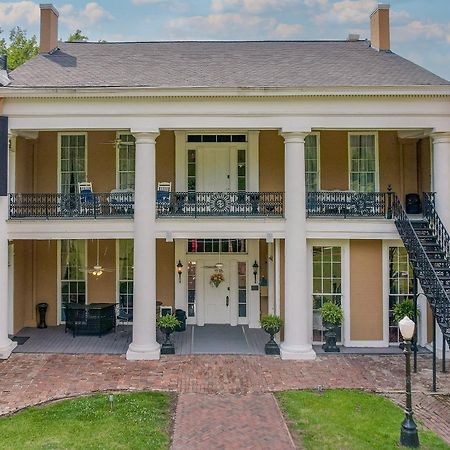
(220, 204)
(349, 204)
(71, 206)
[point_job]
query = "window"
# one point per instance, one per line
(126, 161)
(126, 275)
(73, 274)
(327, 285)
(362, 161)
(217, 245)
(191, 275)
(241, 170)
(72, 162)
(401, 286)
(312, 172)
(242, 289)
(217, 138)
(192, 170)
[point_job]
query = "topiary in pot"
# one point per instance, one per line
(271, 324)
(167, 325)
(332, 316)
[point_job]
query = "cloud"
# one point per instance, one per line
(147, 2)
(286, 30)
(89, 15)
(12, 13)
(250, 6)
(419, 30)
(356, 11)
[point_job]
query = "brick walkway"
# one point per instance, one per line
(27, 379)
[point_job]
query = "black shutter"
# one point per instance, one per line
(3, 156)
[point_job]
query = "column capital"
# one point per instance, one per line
(441, 138)
(294, 136)
(145, 137)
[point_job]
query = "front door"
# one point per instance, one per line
(217, 299)
(216, 169)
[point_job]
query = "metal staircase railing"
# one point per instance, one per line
(436, 293)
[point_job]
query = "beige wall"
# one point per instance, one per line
(165, 157)
(366, 290)
(101, 164)
(102, 289)
(333, 160)
(271, 161)
(165, 273)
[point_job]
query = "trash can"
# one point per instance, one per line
(42, 310)
(413, 204)
(181, 316)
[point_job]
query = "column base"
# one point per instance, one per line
(143, 352)
(298, 352)
(6, 350)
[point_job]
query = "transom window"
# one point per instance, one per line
(362, 161)
(312, 172)
(126, 276)
(217, 246)
(327, 285)
(126, 161)
(217, 138)
(72, 162)
(401, 286)
(73, 273)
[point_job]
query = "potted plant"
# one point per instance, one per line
(332, 316)
(216, 278)
(402, 309)
(167, 325)
(271, 324)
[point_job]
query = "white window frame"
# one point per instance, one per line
(118, 171)
(59, 280)
(377, 163)
(118, 279)
(317, 134)
(86, 154)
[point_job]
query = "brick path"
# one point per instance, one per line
(27, 379)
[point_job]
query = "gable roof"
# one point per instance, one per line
(217, 64)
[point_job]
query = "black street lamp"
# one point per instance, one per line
(408, 431)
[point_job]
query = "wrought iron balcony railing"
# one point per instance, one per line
(68, 206)
(222, 204)
(349, 204)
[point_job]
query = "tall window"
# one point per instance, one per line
(401, 286)
(362, 156)
(72, 161)
(126, 272)
(327, 285)
(242, 289)
(126, 161)
(73, 274)
(191, 275)
(312, 172)
(241, 170)
(192, 170)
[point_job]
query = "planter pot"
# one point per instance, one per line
(271, 347)
(330, 338)
(167, 348)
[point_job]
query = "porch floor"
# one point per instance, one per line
(209, 339)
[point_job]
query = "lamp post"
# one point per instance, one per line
(408, 431)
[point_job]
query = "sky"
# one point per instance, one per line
(420, 29)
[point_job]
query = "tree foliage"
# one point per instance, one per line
(20, 48)
(77, 36)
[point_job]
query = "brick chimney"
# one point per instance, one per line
(379, 28)
(49, 28)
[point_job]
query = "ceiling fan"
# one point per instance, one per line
(97, 270)
(117, 142)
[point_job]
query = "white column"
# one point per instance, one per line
(144, 345)
(441, 178)
(6, 345)
(270, 278)
(277, 277)
(297, 340)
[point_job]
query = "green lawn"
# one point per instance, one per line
(136, 421)
(346, 419)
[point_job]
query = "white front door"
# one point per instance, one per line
(217, 299)
(216, 169)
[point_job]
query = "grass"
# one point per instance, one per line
(347, 419)
(136, 421)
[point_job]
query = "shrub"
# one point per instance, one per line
(404, 308)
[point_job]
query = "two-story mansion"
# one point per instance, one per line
(282, 166)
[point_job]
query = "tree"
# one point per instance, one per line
(2, 44)
(20, 49)
(77, 36)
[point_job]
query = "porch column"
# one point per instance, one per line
(441, 178)
(144, 345)
(297, 311)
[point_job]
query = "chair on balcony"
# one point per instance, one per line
(163, 196)
(88, 201)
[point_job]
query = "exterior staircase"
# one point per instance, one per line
(428, 245)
